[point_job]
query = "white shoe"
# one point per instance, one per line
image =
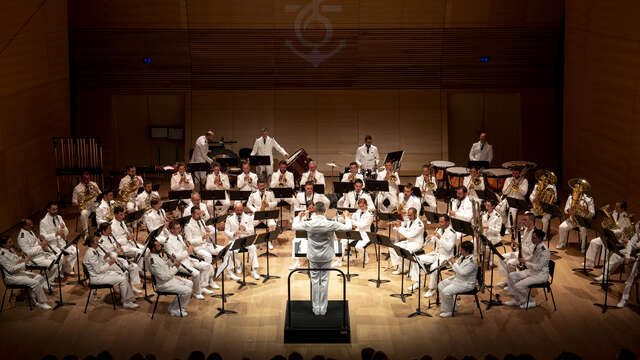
(598, 278)
(198, 296)
(366, 258)
(621, 303)
(213, 285)
(413, 287)
(270, 245)
(502, 284)
(445, 314)
(239, 270)
(136, 290)
(294, 266)
(206, 291)
(71, 273)
(561, 247)
(337, 263)
(130, 305)
(513, 302)
(255, 275)
(176, 313)
(429, 293)
(396, 272)
(232, 276)
(45, 306)
(532, 304)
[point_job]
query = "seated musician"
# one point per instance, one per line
(583, 206)
(628, 241)
(262, 200)
(515, 187)
(619, 215)
(308, 195)
(125, 237)
(201, 238)
(510, 261)
(247, 181)
(352, 175)
(55, 231)
(302, 241)
(491, 226)
(239, 225)
(84, 196)
(388, 201)
(128, 188)
(412, 229)
(40, 252)
(461, 207)
(313, 175)
(103, 212)
(218, 180)
(108, 244)
(464, 280)
(181, 180)
(351, 199)
(144, 198)
(428, 185)
(197, 203)
(361, 221)
(407, 200)
(632, 258)
(536, 272)
(283, 179)
(546, 187)
(163, 272)
(474, 182)
(444, 241)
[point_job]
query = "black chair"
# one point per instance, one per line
(160, 293)
(43, 270)
(473, 292)
(94, 287)
(14, 287)
(545, 286)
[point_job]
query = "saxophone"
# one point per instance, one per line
(264, 204)
(544, 194)
(578, 186)
(88, 196)
(282, 180)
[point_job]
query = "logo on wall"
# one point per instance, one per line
(314, 52)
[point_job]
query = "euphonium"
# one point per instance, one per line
(476, 181)
(352, 177)
(112, 206)
(578, 186)
(608, 222)
(544, 194)
(393, 178)
(127, 193)
(89, 195)
(428, 184)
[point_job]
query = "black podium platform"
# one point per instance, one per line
(301, 326)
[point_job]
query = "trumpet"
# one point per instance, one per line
(218, 181)
(428, 184)
(282, 180)
(352, 177)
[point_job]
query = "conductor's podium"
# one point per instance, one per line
(302, 326)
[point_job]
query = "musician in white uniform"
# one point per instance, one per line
(143, 199)
(352, 175)
(631, 257)
(585, 201)
(262, 200)
(181, 180)
(129, 182)
(108, 244)
(464, 280)
(264, 146)
(511, 259)
(247, 181)
(388, 201)
(481, 150)
(196, 201)
(367, 155)
(351, 199)
(422, 182)
(123, 235)
(444, 240)
(461, 207)
(320, 251)
(407, 200)
(412, 229)
(469, 182)
(200, 271)
(102, 272)
(90, 190)
(55, 231)
(218, 180)
(546, 218)
(491, 226)
(303, 198)
(156, 218)
(283, 179)
(40, 253)
(622, 221)
(202, 239)
(313, 175)
(537, 272)
(239, 225)
(103, 212)
(164, 273)
(361, 221)
(515, 187)
(14, 266)
(201, 152)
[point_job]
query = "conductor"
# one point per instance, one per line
(320, 252)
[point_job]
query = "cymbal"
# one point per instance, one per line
(332, 164)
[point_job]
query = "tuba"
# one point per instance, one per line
(608, 222)
(578, 187)
(544, 194)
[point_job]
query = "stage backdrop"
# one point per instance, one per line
(423, 76)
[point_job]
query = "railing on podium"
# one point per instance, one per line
(307, 270)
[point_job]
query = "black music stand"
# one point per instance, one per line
(263, 238)
(215, 221)
(351, 210)
(609, 244)
(223, 266)
(433, 217)
(349, 235)
(378, 241)
(199, 167)
(262, 216)
(75, 242)
(394, 156)
(226, 162)
(179, 194)
(259, 160)
(586, 223)
(405, 255)
(152, 235)
(377, 185)
(422, 267)
(215, 196)
(389, 218)
(462, 226)
(497, 302)
(478, 164)
(282, 193)
(134, 216)
(317, 188)
(239, 195)
(554, 210)
(518, 204)
(171, 205)
(342, 187)
(60, 303)
(241, 246)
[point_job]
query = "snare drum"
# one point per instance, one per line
(439, 167)
(298, 164)
(456, 175)
(496, 178)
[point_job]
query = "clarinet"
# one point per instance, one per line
(115, 262)
(172, 257)
(520, 265)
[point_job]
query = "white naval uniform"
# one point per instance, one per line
(632, 245)
(231, 226)
(351, 200)
(141, 199)
(201, 272)
(537, 272)
(362, 220)
(616, 260)
(318, 178)
(511, 258)
(201, 155)
(15, 274)
(264, 147)
(320, 252)
(411, 202)
(29, 243)
(546, 218)
(124, 182)
(563, 229)
(288, 183)
(247, 185)
(463, 209)
(413, 231)
(301, 199)
(103, 211)
(101, 273)
(444, 250)
(79, 190)
(428, 196)
(464, 280)
(391, 195)
(186, 185)
(166, 280)
(110, 245)
(345, 178)
(472, 191)
(254, 203)
(195, 232)
(503, 206)
(367, 158)
(596, 244)
(493, 221)
(211, 185)
(154, 219)
(49, 225)
(478, 152)
(120, 232)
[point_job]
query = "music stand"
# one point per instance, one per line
(394, 156)
(239, 195)
(226, 162)
(351, 210)
(282, 193)
(462, 226)
(134, 216)
(152, 235)
(609, 244)
(490, 303)
(60, 303)
(433, 217)
(342, 187)
(389, 218)
(317, 188)
(405, 255)
(518, 204)
(261, 239)
(377, 185)
(179, 194)
(220, 271)
(259, 160)
(349, 235)
(75, 242)
(378, 241)
(422, 267)
(168, 206)
(586, 223)
(215, 221)
(241, 246)
(262, 216)
(215, 196)
(199, 167)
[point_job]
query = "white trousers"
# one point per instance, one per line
(396, 259)
(563, 231)
(448, 288)
(546, 220)
(319, 286)
(113, 277)
(508, 264)
(207, 251)
(519, 282)
(35, 282)
(45, 259)
(181, 286)
(631, 279)
(201, 273)
(359, 246)
(594, 246)
(70, 258)
(253, 258)
(614, 262)
(431, 259)
(84, 218)
(431, 201)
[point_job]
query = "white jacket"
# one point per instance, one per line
(194, 232)
(480, 153)
(538, 262)
(445, 244)
(14, 267)
(393, 186)
(494, 223)
(466, 270)
(368, 159)
(412, 202)
(318, 176)
(124, 182)
(80, 189)
(48, 229)
(103, 211)
(320, 233)
(420, 183)
(300, 201)
(30, 244)
(160, 269)
(413, 231)
(142, 198)
(255, 201)
(232, 226)
(202, 206)
(176, 246)
(345, 177)
(244, 185)
(154, 219)
(211, 182)
(201, 151)
(522, 189)
(463, 209)
(472, 192)
(287, 180)
(186, 185)
(350, 200)
(264, 147)
(585, 200)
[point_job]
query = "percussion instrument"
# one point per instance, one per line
(520, 163)
(440, 167)
(298, 164)
(456, 175)
(496, 178)
(233, 173)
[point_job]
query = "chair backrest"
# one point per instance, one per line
(153, 282)
(552, 268)
(86, 273)
(2, 271)
(479, 275)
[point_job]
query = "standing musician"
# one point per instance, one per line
(361, 221)
(407, 200)
(313, 175)
(391, 196)
(237, 226)
(579, 203)
(444, 240)
(302, 241)
(262, 200)
(103, 272)
(13, 267)
(283, 179)
(201, 152)
(104, 211)
(218, 180)
(247, 181)
(537, 272)
(55, 231)
(511, 261)
(304, 197)
(84, 197)
(320, 252)
(126, 239)
(109, 245)
(143, 200)
(428, 185)
(367, 155)
(40, 252)
(481, 150)
(351, 199)
(182, 251)
(163, 273)
(353, 174)
(263, 146)
(156, 217)
(464, 280)
(491, 226)
(412, 229)
(129, 185)
(544, 191)
(515, 187)
(181, 180)
(621, 220)
(474, 182)
(201, 238)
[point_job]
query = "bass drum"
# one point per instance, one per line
(298, 164)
